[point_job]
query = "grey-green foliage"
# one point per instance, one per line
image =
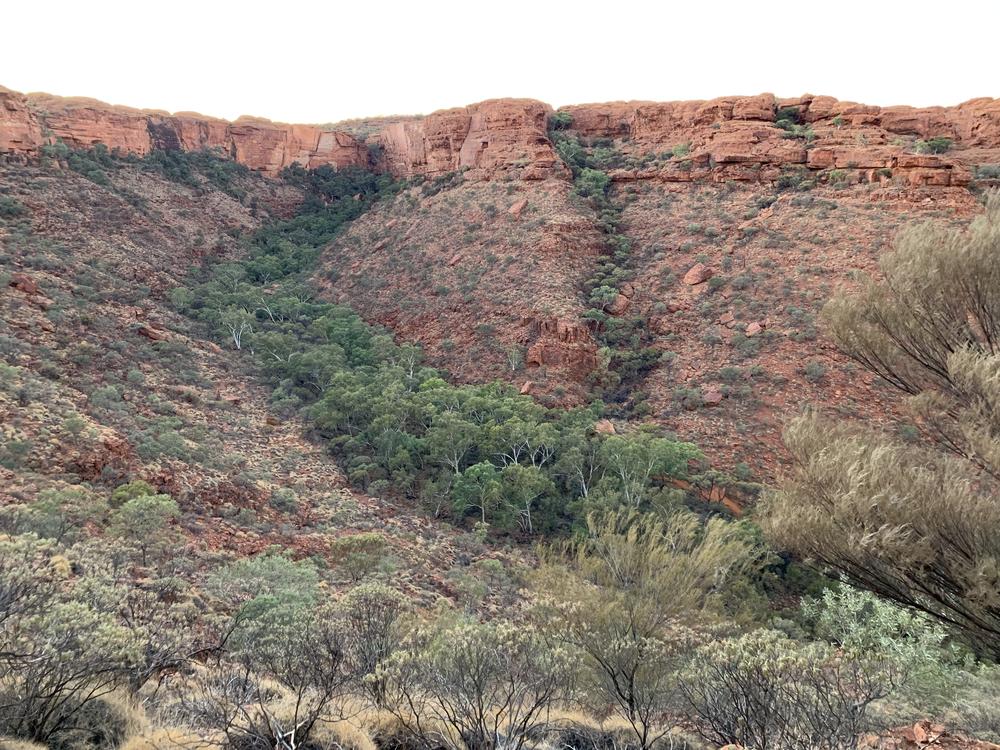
(463, 684)
(913, 522)
(764, 690)
(143, 520)
(72, 632)
(936, 676)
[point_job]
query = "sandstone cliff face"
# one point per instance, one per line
(82, 123)
(730, 138)
(495, 136)
(736, 138)
(29, 122)
(20, 132)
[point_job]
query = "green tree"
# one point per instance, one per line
(479, 487)
(523, 487)
(633, 463)
(125, 492)
(63, 514)
(143, 521)
(450, 438)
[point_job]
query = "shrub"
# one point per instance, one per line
(618, 598)
(938, 145)
(592, 183)
(765, 690)
(11, 208)
(463, 684)
(125, 492)
(926, 331)
(62, 514)
(284, 500)
(358, 555)
(107, 398)
(560, 121)
(814, 371)
(680, 150)
(143, 520)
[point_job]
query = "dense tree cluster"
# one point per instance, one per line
(479, 451)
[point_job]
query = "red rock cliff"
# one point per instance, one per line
(730, 138)
(506, 136)
(20, 132)
(736, 138)
(29, 122)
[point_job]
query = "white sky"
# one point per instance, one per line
(302, 61)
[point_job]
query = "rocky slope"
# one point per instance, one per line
(102, 382)
(483, 274)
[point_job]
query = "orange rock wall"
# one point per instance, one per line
(29, 122)
(735, 138)
(20, 131)
(507, 136)
(730, 138)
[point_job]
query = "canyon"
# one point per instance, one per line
(718, 231)
(743, 214)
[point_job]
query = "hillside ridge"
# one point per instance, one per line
(741, 138)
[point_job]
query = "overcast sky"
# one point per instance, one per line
(300, 61)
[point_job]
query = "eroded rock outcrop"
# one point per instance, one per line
(562, 345)
(20, 131)
(740, 138)
(82, 123)
(730, 138)
(29, 122)
(495, 136)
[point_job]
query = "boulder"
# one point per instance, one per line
(24, 283)
(699, 273)
(761, 107)
(618, 305)
(712, 397)
(604, 427)
(153, 334)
